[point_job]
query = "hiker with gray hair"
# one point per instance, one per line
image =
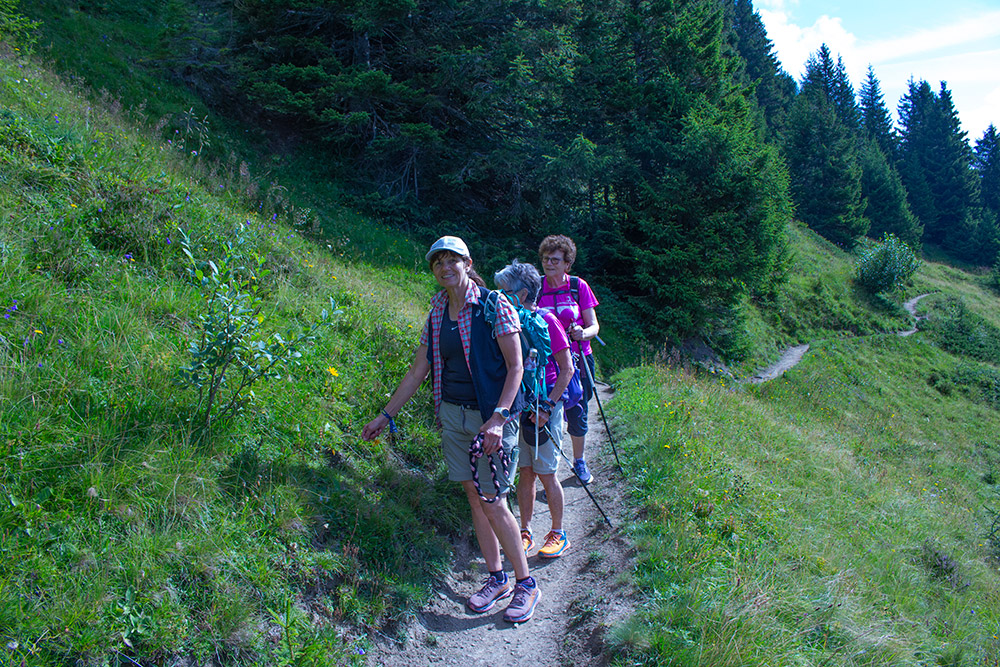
(476, 370)
(540, 460)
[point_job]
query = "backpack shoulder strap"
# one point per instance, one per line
(489, 300)
(574, 289)
(554, 292)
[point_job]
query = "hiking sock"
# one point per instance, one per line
(500, 576)
(527, 582)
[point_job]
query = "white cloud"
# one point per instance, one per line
(795, 44)
(964, 54)
(965, 33)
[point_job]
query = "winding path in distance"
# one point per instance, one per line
(793, 355)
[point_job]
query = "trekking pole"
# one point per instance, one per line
(586, 487)
(611, 438)
(531, 366)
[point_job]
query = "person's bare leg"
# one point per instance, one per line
(487, 539)
(578, 443)
(554, 497)
(526, 496)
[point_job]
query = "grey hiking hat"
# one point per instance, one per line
(452, 243)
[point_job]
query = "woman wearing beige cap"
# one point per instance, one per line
(476, 373)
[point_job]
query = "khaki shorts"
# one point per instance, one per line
(546, 461)
(459, 425)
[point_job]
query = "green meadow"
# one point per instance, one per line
(843, 514)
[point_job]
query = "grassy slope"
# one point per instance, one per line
(840, 515)
(226, 545)
(123, 531)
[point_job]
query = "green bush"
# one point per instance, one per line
(983, 382)
(232, 352)
(885, 265)
(15, 28)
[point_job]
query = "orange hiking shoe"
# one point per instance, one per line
(527, 541)
(556, 543)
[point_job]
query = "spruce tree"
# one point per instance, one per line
(831, 80)
(875, 119)
(936, 166)
(882, 188)
(695, 201)
(987, 165)
(821, 146)
(774, 89)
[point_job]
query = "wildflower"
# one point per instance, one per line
(333, 371)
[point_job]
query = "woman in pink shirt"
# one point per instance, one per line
(572, 301)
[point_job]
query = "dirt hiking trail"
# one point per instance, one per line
(584, 592)
(793, 355)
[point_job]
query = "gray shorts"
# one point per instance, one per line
(459, 426)
(546, 461)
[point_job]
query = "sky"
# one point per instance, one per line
(957, 41)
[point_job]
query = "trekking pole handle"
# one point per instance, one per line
(532, 362)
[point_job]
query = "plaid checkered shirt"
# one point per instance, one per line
(507, 323)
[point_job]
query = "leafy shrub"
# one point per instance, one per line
(15, 28)
(232, 352)
(885, 265)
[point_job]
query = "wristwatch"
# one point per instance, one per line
(504, 412)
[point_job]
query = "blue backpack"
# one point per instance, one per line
(534, 336)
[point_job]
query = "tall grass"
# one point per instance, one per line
(840, 515)
(279, 539)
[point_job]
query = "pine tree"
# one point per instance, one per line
(774, 89)
(875, 118)
(821, 146)
(936, 166)
(987, 165)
